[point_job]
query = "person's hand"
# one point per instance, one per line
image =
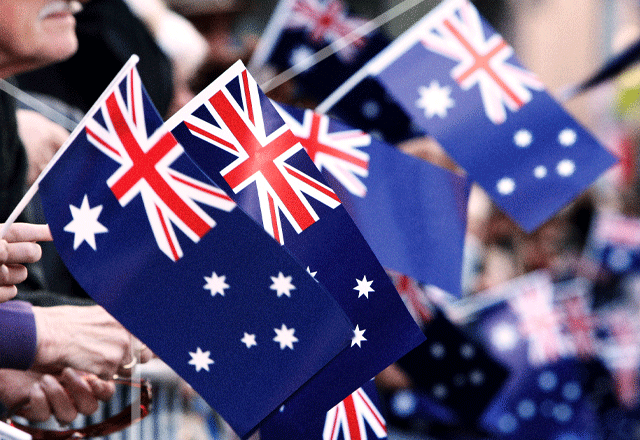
(86, 338)
(40, 396)
(41, 138)
(18, 247)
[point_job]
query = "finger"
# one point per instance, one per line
(145, 355)
(12, 274)
(102, 389)
(79, 390)
(7, 293)
(28, 232)
(23, 252)
(37, 410)
(61, 404)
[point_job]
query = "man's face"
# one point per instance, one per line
(36, 32)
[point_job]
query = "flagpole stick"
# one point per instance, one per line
(339, 44)
(74, 134)
(37, 105)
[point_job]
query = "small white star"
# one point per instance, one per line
(301, 59)
(200, 359)
(363, 287)
(565, 168)
(370, 109)
(85, 224)
(522, 138)
(567, 137)
(504, 336)
(435, 100)
(358, 337)
(282, 285)
(540, 172)
(216, 284)
(285, 337)
(313, 274)
(249, 340)
(506, 186)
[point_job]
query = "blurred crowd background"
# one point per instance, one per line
(562, 42)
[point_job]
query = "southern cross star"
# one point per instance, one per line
(200, 359)
(282, 285)
(285, 337)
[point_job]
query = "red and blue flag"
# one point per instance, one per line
(236, 136)
(172, 257)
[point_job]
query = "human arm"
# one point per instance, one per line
(86, 338)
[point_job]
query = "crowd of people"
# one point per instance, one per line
(59, 352)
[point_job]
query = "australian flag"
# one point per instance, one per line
(357, 417)
(235, 134)
(172, 258)
(547, 394)
(300, 28)
(297, 30)
(412, 213)
(462, 83)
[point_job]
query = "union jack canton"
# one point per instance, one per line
(236, 124)
(119, 130)
(326, 22)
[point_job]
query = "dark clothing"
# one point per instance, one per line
(108, 34)
(18, 336)
(13, 158)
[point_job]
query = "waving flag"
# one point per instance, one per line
(410, 211)
(546, 395)
(355, 418)
(299, 28)
(172, 258)
(233, 132)
(464, 86)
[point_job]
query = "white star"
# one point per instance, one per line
(357, 337)
(282, 285)
(200, 359)
(313, 274)
(363, 287)
(249, 340)
(301, 59)
(216, 284)
(285, 337)
(370, 109)
(435, 100)
(504, 336)
(85, 224)
(540, 172)
(506, 186)
(565, 168)
(567, 137)
(522, 138)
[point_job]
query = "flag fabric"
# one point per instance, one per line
(357, 417)
(236, 136)
(298, 29)
(458, 375)
(462, 83)
(413, 214)
(546, 395)
(172, 258)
